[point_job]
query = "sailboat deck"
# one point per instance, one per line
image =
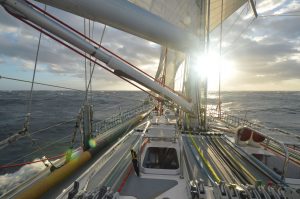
(145, 187)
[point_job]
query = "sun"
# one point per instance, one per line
(211, 65)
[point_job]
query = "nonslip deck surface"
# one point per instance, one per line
(145, 188)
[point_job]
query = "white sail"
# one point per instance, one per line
(184, 14)
(170, 61)
(229, 7)
(187, 15)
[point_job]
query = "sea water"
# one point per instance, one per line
(48, 108)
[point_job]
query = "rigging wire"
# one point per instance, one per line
(294, 11)
(39, 149)
(33, 82)
(260, 17)
(101, 39)
(29, 106)
(238, 37)
(221, 40)
(82, 35)
(52, 126)
(34, 72)
(91, 35)
(236, 19)
(39, 83)
(279, 15)
(32, 162)
(81, 53)
(85, 73)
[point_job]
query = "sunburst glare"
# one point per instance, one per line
(210, 65)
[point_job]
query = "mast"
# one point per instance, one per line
(21, 8)
(196, 86)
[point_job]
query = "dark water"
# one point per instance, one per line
(50, 108)
(274, 109)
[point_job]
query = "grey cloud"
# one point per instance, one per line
(54, 55)
(252, 57)
(265, 53)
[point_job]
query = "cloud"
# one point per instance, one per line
(267, 53)
(293, 6)
(268, 50)
(19, 43)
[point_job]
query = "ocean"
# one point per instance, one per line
(273, 109)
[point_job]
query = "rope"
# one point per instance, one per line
(52, 126)
(39, 83)
(32, 162)
(46, 146)
(239, 15)
(280, 15)
(221, 40)
(91, 35)
(25, 130)
(27, 118)
(99, 46)
(101, 39)
(34, 72)
(80, 53)
(85, 75)
(238, 37)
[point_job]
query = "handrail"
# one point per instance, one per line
(236, 121)
(119, 118)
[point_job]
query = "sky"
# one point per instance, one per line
(261, 54)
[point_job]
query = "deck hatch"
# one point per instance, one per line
(161, 158)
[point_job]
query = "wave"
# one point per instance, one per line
(11, 180)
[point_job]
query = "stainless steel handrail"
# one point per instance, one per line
(119, 118)
(236, 121)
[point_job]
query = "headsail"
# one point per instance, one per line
(186, 14)
(229, 7)
(170, 60)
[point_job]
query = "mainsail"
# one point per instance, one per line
(222, 9)
(170, 60)
(175, 24)
(187, 15)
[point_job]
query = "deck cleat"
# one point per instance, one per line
(271, 191)
(232, 191)
(262, 192)
(221, 191)
(197, 189)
